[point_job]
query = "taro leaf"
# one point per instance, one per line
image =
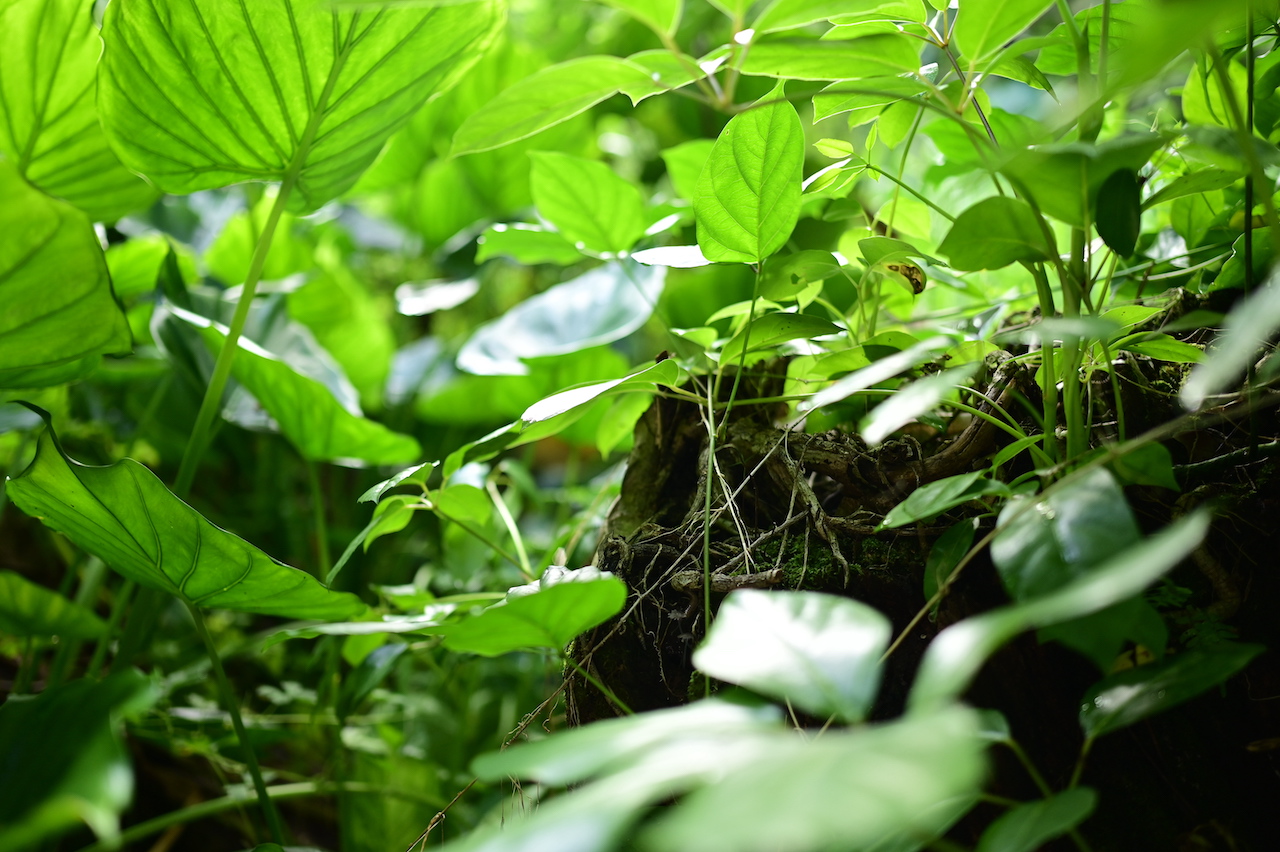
(1245, 330)
(1119, 214)
(748, 197)
(600, 306)
(983, 26)
(845, 790)
(1133, 695)
(820, 652)
(994, 233)
(48, 116)
(916, 399)
(1029, 826)
(59, 314)
(64, 762)
(29, 609)
(956, 655)
(124, 515)
(835, 59)
(772, 329)
(929, 501)
(545, 99)
(214, 92)
(587, 202)
(307, 412)
(547, 613)
(372, 671)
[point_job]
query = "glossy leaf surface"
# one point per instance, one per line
(273, 91)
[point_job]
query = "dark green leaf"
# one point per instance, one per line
(929, 501)
(59, 314)
(1131, 696)
(124, 515)
(946, 554)
(1028, 827)
(819, 652)
(371, 672)
(1118, 217)
(1246, 329)
(994, 233)
(1150, 464)
(28, 609)
(587, 202)
(207, 94)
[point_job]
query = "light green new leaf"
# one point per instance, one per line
(820, 652)
(1131, 696)
(1029, 826)
(124, 515)
(660, 15)
(587, 202)
(48, 116)
(994, 233)
(546, 98)
(929, 501)
(788, 14)
(64, 760)
(29, 609)
(958, 652)
(207, 93)
(983, 26)
(546, 613)
(836, 59)
(748, 196)
(773, 329)
(59, 315)
(306, 411)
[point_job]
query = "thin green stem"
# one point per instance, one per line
(317, 511)
(922, 198)
(742, 359)
(493, 545)
(512, 530)
(93, 572)
(232, 707)
(119, 606)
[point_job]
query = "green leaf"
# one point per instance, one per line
(59, 314)
(1119, 212)
(956, 655)
(983, 26)
(772, 329)
(1150, 464)
(547, 613)
(789, 14)
(135, 265)
(749, 192)
(124, 515)
(833, 59)
(882, 370)
(844, 790)
(371, 672)
(389, 516)
(1131, 696)
(866, 98)
(929, 501)
(587, 202)
(527, 244)
(598, 307)
(666, 372)
(29, 609)
(414, 475)
(49, 126)
(231, 253)
(660, 15)
(685, 163)
(545, 99)
(1162, 347)
(916, 399)
(65, 761)
(1246, 329)
(819, 652)
(1194, 183)
(994, 233)
(1028, 827)
(210, 93)
(946, 554)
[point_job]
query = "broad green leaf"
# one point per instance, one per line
(49, 126)
(735, 9)
(772, 329)
(819, 652)
(389, 516)
(748, 197)
(666, 372)
(843, 790)
(1234, 274)
(946, 554)
(547, 613)
(229, 256)
(916, 399)
(600, 306)
(1246, 329)
(546, 98)
(1162, 347)
(1023, 70)
(833, 59)
(788, 14)
(29, 609)
(929, 501)
(464, 502)
(660, 15)
(414, 475)
(65, 763)
(878, 371)
(956, 655)
(59, 313)
(983, 26)
(1131, 696)
(1119, 211)
(866, 98)
(587, 202)
(1150, 464)
(994, 233)
(1028, 827)
(214, 92)
(1193, 183)
(371, 672)
(125, 516)
(306, 411)
(527, 244)
(135, 265)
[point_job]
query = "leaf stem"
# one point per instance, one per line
(322, 529)
(233, 710)
(118, 608)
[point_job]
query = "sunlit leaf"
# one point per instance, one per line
(125, 516)
(29, 609)
(994, 233)
(878, 371)
(217, 92)
(1028, 827)
(833, 59)
(587, 202)
(820, 652)
(788, 14)
(983, 26)
(773, 329)
(527, 244)
(59, 313)
(666, 372)
(49, 125)
(661, 15)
